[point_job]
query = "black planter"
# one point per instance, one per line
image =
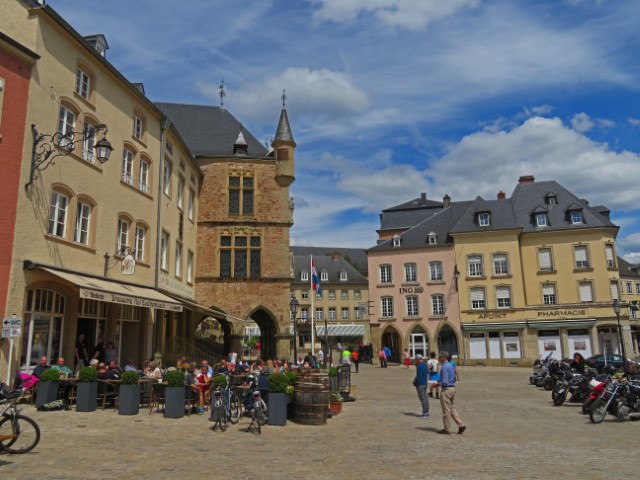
(174, 402)
(129, 399)
(86, 396)
(47, 392)
(277, 408)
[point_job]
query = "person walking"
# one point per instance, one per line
(448, 394)
(421, 382)
(383, 358)
(355, 356)
(407, 357)
(434, 375)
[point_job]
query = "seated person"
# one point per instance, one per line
(103, 371)
(202, 386)
(41, 367)
(113, 372)
(152, 371)
(62, 368)
(224, 367)
(190, 391)
(130, 366)
(93, 363)
(204, 366)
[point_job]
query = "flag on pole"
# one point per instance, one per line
(315, 281)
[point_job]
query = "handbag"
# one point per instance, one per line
(415, 381)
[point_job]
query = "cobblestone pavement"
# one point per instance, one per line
(513, 432)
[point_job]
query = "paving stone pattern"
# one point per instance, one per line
(514, 432)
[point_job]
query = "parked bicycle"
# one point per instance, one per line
(18, 433)
(230, 403)
(258, 413)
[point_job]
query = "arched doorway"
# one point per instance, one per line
(212, 337)
(391, 339)
(448, 340)
(268, 331)
(418, 342)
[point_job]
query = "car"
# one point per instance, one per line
(598, 361)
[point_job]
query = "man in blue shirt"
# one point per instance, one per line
(447, 396)
(422, 382)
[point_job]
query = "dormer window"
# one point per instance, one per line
(432, 238)
(484, 219)
(396, 240)
(304, 276)
(575, 216)
(542, 220)
(551, 199)
(343, 276)
(324, 276)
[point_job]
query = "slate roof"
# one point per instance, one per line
(210, 131)
(357, 256)
(408, 214)
(627, 269)
(328, 264)
(500, 213)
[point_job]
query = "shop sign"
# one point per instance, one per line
(411, 290)
(126, 300)
(561, 313)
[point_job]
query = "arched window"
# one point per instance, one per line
(83, 225)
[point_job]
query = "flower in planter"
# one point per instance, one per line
(335, 397)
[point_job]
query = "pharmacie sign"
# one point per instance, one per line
(562, 313)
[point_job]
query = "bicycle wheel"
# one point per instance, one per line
(223, 416)
(26, 431)
(235, 408)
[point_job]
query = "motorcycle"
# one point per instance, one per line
(539, 370)
(607, 402)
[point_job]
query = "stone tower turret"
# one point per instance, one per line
(284, 146)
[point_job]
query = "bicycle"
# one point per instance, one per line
(230, 402)
(18, 433)
(219, 412)
(258, 414)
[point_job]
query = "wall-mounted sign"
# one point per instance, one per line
(128, 265)
(561, 313)
(411, 289)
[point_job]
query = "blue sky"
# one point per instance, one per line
(391, 98)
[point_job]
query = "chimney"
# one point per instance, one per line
(423, 196)
(501, 195)
(446, 200)
(526, 179)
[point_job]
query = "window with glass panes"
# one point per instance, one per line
(435, 271)
(190, 266)
(503, 297)
(608, 253)
(475, 266)
(332, 313)
(83, 83)
(344, 294)
(614, 290)
(58, 214)
(66, 125)
(164, 251)
(387, 306)
(356, 294)
(385, 273)
(143, 177)
(412, 306)
(500, 266)
(629, 287)
(545, 262)
(357, 315)
(410, 272)
(549, 294)
(332, 294)
(437, 305)
(304, 294)
(304, 314)
(166, 177)
(241, 190)
(344, 313)
(586, 292)
(123, 236)
(477, 299)
(192, 200)
(581, 256)
(180, 191)
(178, 259)
(139, 243)
(89, 143)
(319, 314)
(138, 127)
(83, 218)
(127, 166)
(240, 256)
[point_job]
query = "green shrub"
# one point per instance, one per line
(291, 378)
(175, 378)
(130, 377)
(219, 381)
(88, 374)
(50, 375)
(278, 382)
(333, 371)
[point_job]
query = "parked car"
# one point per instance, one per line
(598, 361)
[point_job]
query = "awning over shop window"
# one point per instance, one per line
(562, 324)
(341, 331)
(115, 292)
(195, 306)
(492, 327)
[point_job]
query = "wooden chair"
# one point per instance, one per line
(107, 392)
(146, 390)
(157, 396)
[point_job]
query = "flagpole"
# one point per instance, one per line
(313, 310)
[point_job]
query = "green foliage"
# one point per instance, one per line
(252, 341)
(333, 371)
(219, 381)
(291, 378)
(278, 382)
(335, 397)
(88, 374)
(175, 378)
(50, 375)
(130, 377)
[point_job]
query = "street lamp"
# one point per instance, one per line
(293, 308)
(616, 309)
(46, 148)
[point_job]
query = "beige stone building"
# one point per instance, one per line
(82, 224)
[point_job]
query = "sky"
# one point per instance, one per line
(391, 98)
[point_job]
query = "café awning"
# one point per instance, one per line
(106, 290)
(341, 330)
(190, 304)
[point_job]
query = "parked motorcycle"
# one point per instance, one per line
(607, 402)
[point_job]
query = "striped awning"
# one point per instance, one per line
(341, 330)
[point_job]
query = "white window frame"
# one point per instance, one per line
(581, 256)
(66, 126)
(586, 291)
(410, 272)
(122, 240)
(181, 185)
(357, 315)
(83, 83)
(332, 294)
(166, 178)
(397, 240)
(432, 239)
(304, 276)
(164, 251)
(576, 217)
(436, 273)
(437, 305)
(344, 313)
(386, 307)
(191, 205)
(127, 166)
(413, 308)
(138, 252)
(324, 276)
(500, 264)
(549, 294)
(541, 220)
(344, 294)
(178, 262)
(190, 267)
(629, 287)
(615, 294)
(484, 219)
(475, 266)
(138, 127)
(357, 295)
(385, 274)
(332, 314)
(143, 177)
(610, 257)
(58, 214)
(304, 294)
(83, 223)
(503, 297)
(89, 143)
(545, 264)
(343, 276)
(477, 298)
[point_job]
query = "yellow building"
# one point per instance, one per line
(630, 295)
(86, 244)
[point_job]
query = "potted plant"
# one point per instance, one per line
(278, 399)
(87, 390)
(174, 394)
(48, 387)
(129, 393)
(333, 379)
(335, 402)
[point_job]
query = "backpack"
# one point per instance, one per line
(433, 366)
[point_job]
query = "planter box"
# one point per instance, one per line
(86, 396)
(129, 399)
(277, 408)
(47, 392)
(335, 407)
(174, 402)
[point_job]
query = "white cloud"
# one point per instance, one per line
(410, 14)
(634, 121)
(581, 122)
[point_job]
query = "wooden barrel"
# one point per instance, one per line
(312, 396)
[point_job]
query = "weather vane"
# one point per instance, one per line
(284, 98)
(222, 93)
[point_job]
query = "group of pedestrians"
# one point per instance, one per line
(439, 378)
